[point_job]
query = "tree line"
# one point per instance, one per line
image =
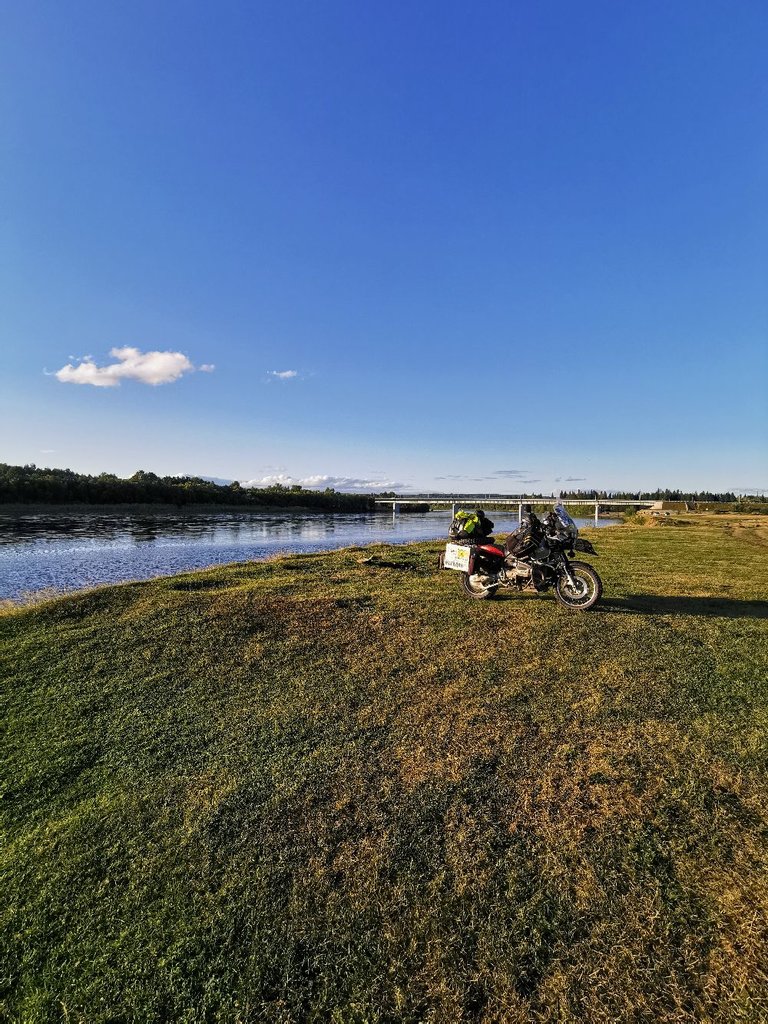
(663, 494)
(32, 485)
(660, 494)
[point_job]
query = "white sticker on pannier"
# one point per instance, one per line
(456, 557)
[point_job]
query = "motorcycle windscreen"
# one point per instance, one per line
(566, 522)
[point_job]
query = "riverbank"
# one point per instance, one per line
(68, 552)
(329, 787)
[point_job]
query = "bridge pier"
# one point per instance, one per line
(395, 507)
(597, 509)
(454, 509)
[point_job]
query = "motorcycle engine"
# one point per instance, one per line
(517, 569)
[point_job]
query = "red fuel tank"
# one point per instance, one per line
(491, 550)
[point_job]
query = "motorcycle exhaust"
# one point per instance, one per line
(491, 586)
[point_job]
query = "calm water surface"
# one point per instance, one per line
(65, 552)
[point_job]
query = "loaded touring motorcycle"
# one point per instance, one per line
(537, 556)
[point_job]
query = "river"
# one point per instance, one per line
(58, 551)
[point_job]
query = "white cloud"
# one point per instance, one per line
(132, 364)
(270, 480)
(283, 374)
(207, 367)
(319, 482)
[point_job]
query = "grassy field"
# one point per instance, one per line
(328, 789)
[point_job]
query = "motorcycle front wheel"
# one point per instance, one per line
(476, 587)
(585, 591)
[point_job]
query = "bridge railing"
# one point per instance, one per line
(457, 503)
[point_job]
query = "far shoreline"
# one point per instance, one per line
(72, 508)
(194, 508)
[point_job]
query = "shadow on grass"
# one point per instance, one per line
(653, 604)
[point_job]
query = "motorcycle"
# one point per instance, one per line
(537, 556)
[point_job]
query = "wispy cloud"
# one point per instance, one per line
(574, 479)
(282, 374)
(132, 364)
(462, 476)
(516, 475)
(319, 481)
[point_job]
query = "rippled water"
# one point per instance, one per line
(55, 551)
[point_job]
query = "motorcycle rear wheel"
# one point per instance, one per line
(586, 593)
(473, 586)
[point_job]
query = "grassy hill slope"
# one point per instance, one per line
(323, 789)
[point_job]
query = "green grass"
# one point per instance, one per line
(317, 789)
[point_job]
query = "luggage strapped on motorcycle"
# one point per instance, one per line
(464, 526)
(468, 526)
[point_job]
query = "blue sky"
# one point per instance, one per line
(502, 246)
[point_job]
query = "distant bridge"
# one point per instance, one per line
(455, 503)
